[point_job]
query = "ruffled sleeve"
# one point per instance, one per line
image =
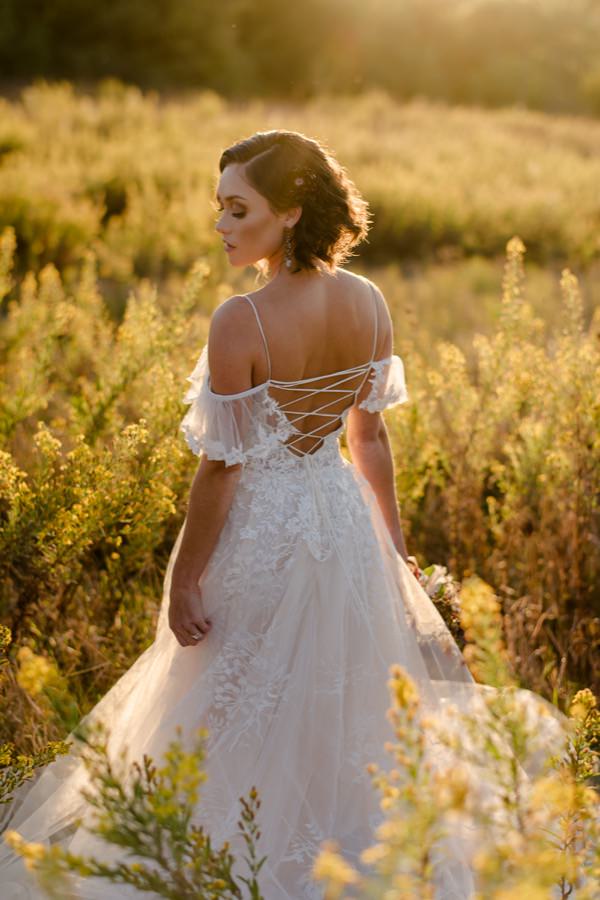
(230, 427)
(388, 385)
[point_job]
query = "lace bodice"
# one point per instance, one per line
(253, 425)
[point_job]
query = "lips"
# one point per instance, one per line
(229, 246)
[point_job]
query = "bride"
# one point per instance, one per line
(289, 592)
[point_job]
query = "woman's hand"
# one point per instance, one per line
(186, 615)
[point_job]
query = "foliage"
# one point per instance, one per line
(496, 454)
(538, 837)
(498, 474)
(15, 767)
(467, 51)
(92, 477)
(130, 176)
(147, 814)
(498, 468)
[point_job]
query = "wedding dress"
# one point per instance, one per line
(310, 605)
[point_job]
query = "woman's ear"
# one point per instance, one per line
(293, 216)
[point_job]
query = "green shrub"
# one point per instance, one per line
(498, 472)
(147, 813)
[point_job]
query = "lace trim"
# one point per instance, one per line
(269, 436)
(265, 426)
(388, 385)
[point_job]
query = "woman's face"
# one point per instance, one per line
(251, 231)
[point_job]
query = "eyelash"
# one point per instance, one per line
(235, 215)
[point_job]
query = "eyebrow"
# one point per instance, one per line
(232, 197)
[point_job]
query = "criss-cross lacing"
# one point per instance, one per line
(295, 416)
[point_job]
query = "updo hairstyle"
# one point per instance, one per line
(290, 169)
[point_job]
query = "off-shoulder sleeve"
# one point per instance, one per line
(388, 385)
(229, 427)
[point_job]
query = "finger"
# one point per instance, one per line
(194, 634)
(199, 625)
(184, 638)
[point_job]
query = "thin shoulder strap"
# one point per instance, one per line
(251, 302)
(375, 335)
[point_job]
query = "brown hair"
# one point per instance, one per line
(290, 169)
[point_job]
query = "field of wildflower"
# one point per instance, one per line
(485, 242)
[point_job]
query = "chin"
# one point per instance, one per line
(237, 262)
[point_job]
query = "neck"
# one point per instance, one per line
(277, 267)
(278, 270)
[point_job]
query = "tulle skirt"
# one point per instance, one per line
(291, 685)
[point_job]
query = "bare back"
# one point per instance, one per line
(314, 347)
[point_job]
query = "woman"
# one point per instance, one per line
(289, 593)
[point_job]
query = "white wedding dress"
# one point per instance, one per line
(310, 606)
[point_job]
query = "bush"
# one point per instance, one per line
(498, 469)
(93, 475)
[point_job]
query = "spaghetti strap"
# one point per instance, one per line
(375, 334)
(251, 302)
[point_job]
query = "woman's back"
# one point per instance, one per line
(323, 325)
(314, 347)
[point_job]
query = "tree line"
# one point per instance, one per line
(488, 52)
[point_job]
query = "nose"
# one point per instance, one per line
(220, 228)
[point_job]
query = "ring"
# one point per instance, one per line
(197, 637)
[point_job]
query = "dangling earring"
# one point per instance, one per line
(288, 248)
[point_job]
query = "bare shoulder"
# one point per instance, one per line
(230, 314)
(231, 346)
(384, 319)
(364, 284)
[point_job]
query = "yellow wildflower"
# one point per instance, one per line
(35, 672)
(330, 866)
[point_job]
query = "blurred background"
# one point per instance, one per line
(472, 127)
(539, 53)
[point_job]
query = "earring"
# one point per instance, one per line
(288, 248)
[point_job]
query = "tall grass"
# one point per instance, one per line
(129, 174)
(93, 475)
(498, 472)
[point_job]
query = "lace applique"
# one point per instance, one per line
(245, 688)
(363, 747)
(317, 502)
(305, 843)
(388, 385)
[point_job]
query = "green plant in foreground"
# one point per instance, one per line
(148, 814)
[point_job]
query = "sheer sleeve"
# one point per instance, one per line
(388, 386)
(229, 427)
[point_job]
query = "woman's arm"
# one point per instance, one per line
(371, 453)
(368, 439)
(211, 496)
(214, 485)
